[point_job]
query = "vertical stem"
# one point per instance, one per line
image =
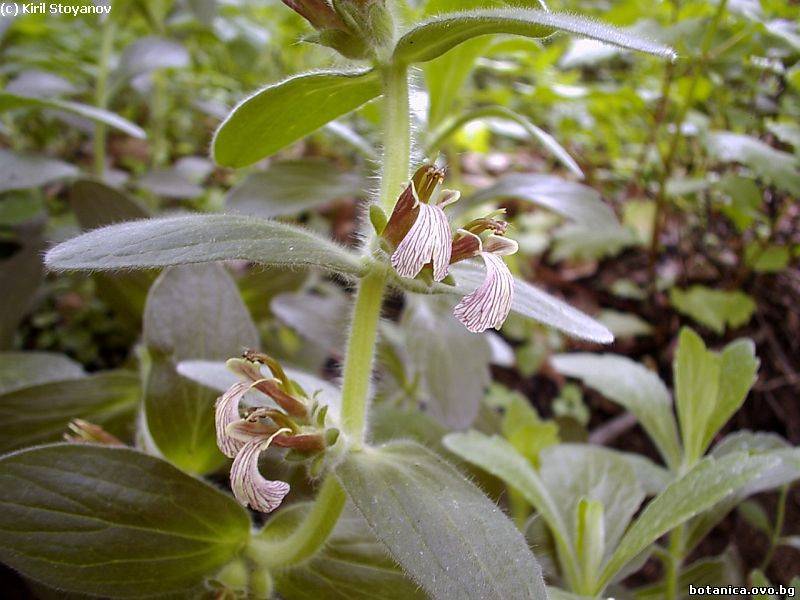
(101, 95)
(777, 528)
(360, 354)
(397, 134)
(674, 563)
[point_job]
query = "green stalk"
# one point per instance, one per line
(309, 536)
(777, 529)
(673, 563)
(101, 94)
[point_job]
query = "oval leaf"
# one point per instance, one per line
(23, 369)
(112, 521)
(436, 36)
(442, 530)
(24, 171)
(192, 311)
(195, 239)
(287, 111)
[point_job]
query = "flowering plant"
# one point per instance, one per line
(402, 519)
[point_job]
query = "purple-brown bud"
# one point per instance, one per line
(319, 13)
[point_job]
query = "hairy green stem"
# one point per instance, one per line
(397, 134)
(309, 536)
(315, 529)
(101, 95)
(360, 355)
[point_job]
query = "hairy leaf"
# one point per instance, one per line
(196, 239)
(441, 529)
(110, 521)
(435, 36)
(287, 111)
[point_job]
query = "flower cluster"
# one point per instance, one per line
(286, 418)
(422, 243)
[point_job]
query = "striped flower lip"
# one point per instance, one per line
(419, 227)
(250, 487)
(488, 306)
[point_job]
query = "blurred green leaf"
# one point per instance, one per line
(23, 171)
(192, 312)
(20, 278)
(752, 512)
(287, 111)
(442, 530)
(767, 259)
(41, 412)
(10, 101)
(635, 388)
(779, 168)
(24, 369)
(113, 522)
(454, 381)
(198, 238)
(716, 309)
(291, 187)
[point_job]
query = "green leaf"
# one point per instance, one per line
(438, 526)
(10, 101)
(192, 312)
(24, 369)
(573, 201)
(110, 521)
(351, 566)
(571, 472)
(696, 372)
(289, 110)
(632, 386)
(454, 381)
(738, 373)
(767, 259)
(707, 571)
(716, 309)
(531, 302)
(292, 187)
(448, 128)
(756, 516)
(435, 36)
(148, 54)
(779, 168)
(573, 240)
(498, 457)
(195, 239)
(23, 171)
(710, 481)
(40, 413)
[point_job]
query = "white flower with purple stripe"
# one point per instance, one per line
(429, 240)
(250, 487)
(489, 305)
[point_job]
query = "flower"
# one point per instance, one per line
(249, 486)
(291, 420)
(419, 228)
(489, 305)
